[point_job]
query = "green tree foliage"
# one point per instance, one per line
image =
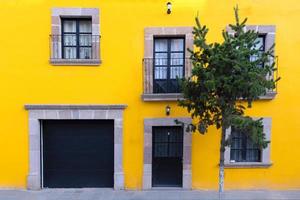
(224, 77)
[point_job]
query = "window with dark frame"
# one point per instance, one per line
(242, 149)
(76, 38)
(169, 64)
(260, 46)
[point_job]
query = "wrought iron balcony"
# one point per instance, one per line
(160, 78)
(75, 49)
(272, 93)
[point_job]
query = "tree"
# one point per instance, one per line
(226, 75)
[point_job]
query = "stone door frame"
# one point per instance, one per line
(187, 145)
(74, 112)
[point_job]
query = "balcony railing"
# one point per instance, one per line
(160, 83)
(160, 77)
(272, 93)
(74, 49)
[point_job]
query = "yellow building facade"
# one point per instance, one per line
(112, 77)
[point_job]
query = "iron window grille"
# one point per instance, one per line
(242, 148)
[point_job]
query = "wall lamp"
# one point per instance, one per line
(168, 110)
(169, 8)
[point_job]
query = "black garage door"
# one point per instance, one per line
(78, 153)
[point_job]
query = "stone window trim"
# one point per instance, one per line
(269, 31)
(147, 161)
(40, 112)
(162, 97)
(57, 14)
(149, 34)
(265, 156)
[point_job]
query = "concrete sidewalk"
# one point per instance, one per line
(162, 194)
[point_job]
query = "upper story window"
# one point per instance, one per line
(165, 61)
(242, 148)
(265, 41)
(168, 64)
(260, 46)
(76, 38)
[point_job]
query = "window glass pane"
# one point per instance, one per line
(250, 144)
(259, 46)
(85, 40)
(160, 135)
(260, 43)
(161, 150)
(177, 59)
(252, 155)
(70, 52)
(85, 52)
(69, 39)
(236, 155)
(161, 45)
(69, 25)
(253, 151)
(242, 148)
(175, 135)
(161, 58)
(176, 72)
(236, 148)
(85, 26)
(160, 73)
(236, 143)
(177, 45)
(175, 150)
(253, 58)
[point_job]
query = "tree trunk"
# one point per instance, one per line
(221, 164)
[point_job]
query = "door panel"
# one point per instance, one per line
(167, 156)
(78, 153)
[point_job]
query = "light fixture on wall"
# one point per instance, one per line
(169, 7)
(168, 110)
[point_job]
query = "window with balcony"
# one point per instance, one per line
(75, 37)
(165, 62)
(265, 40)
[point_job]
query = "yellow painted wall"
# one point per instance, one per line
(26, 77)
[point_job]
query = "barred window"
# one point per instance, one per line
(242, 148)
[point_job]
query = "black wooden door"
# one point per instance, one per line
(167, 156)
(78, 153)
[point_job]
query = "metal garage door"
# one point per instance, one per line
(78, 153)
